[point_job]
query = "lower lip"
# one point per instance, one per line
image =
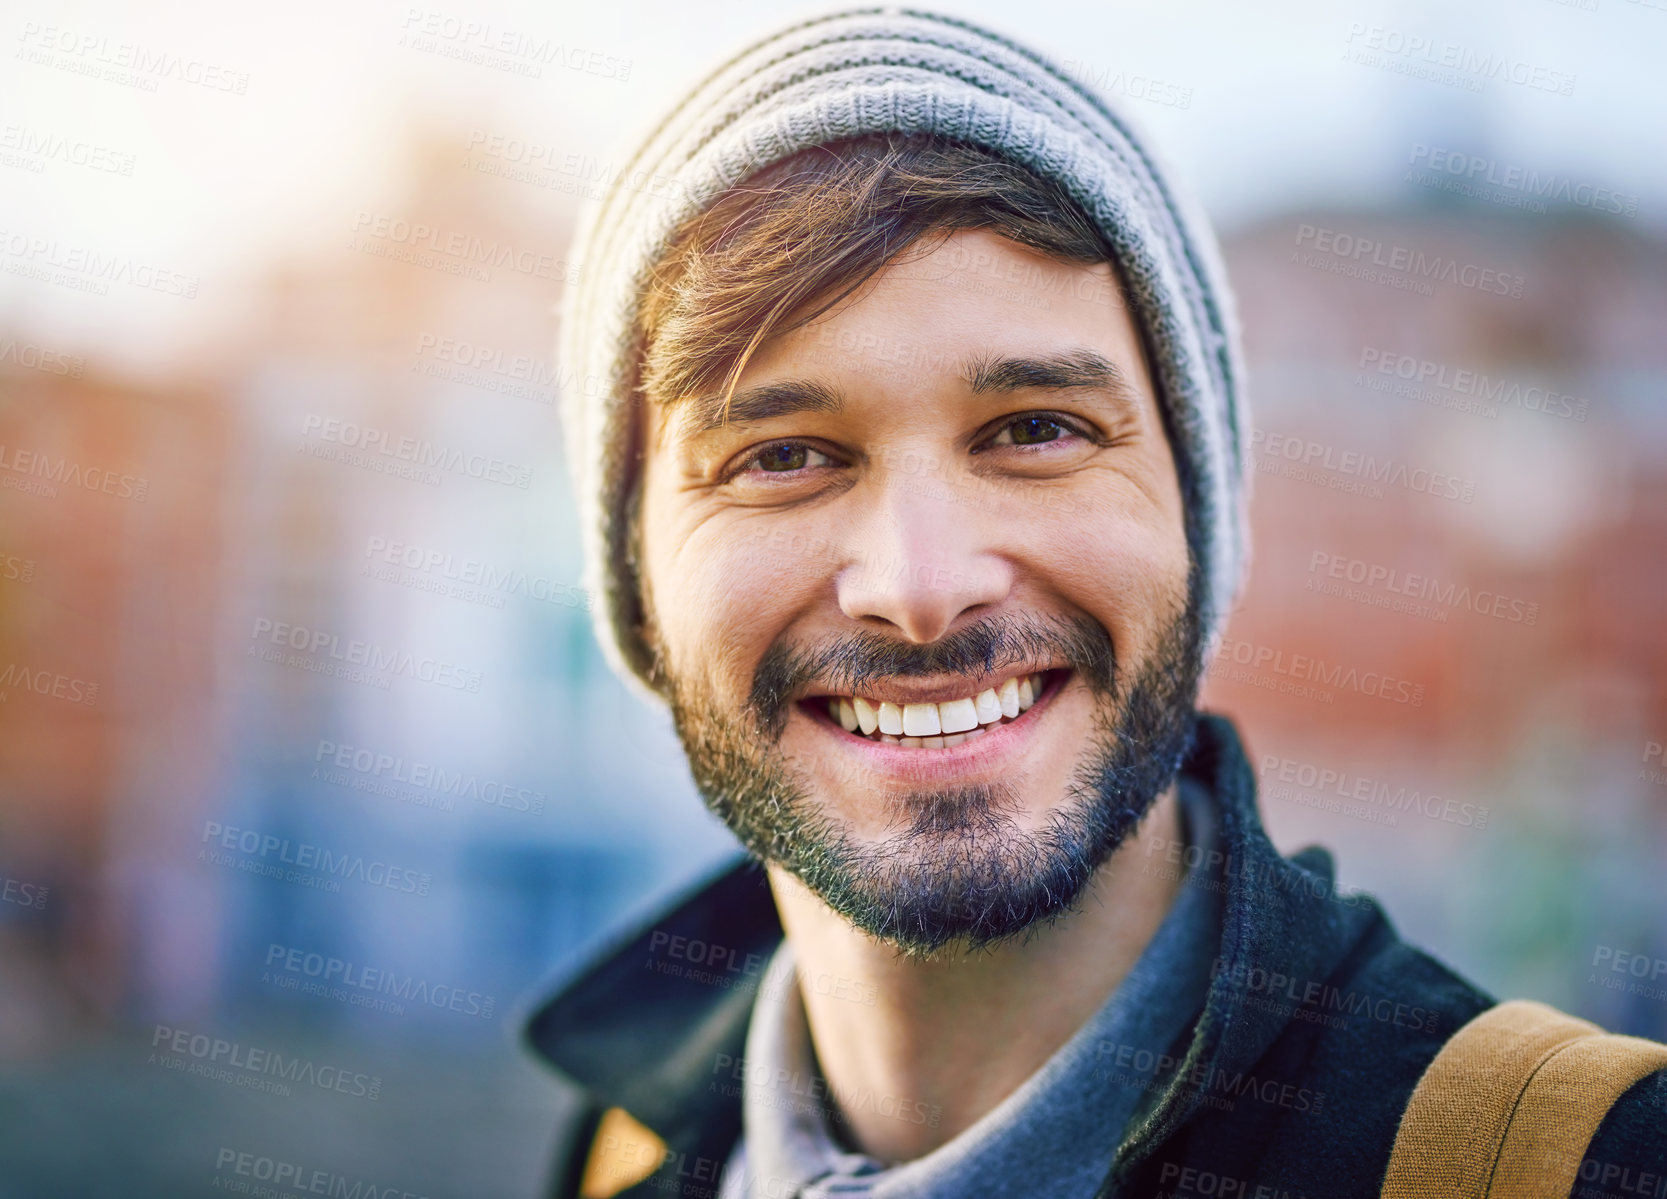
(997, 748)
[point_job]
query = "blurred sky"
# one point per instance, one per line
(225, 184)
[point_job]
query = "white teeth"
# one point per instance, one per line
(934, 726)
(921, 720)
(958, 715)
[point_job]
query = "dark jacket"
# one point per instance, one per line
(1318, 1024)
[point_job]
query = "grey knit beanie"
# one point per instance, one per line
(900, 70)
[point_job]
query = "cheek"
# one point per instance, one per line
(1123, 564)
(726, 593)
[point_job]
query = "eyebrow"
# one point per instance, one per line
(764, 402)
(987, 375)
(1052, 372)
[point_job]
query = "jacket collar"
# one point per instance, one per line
(644, 1025)
(1280, 916)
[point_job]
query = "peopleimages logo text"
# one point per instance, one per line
(464, 248)
(1473, 383)
(1475, 169)
(1318, 455)
(1421, 587)
(1349, 247)
(534, 48)
(352, 976)
(42, 146)
(217, 1052)
(48, 682)
(283, 1177)
(1314, 778)
(1323, 996)
(1440, 54)
(1308, 669)
(304, 855)
(425, 775)
(142, 60)
(103, 267)
(363, 653)
(474, 572)
(416, 451)
(41, 466)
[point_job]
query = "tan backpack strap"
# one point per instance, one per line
(622, 1153)
(1507, 1108)
(1565, 1102)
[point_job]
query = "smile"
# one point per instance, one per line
(940, 725)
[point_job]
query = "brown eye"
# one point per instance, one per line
(1035, 429)
(783, 457)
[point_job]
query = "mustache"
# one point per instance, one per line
(849, 663)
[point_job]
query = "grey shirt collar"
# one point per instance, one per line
(1054, 1136)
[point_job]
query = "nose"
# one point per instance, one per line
(929, 555)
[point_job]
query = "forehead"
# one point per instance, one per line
(973, 313)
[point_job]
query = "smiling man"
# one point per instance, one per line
(913, 485)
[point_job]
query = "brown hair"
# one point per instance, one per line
(783, 247)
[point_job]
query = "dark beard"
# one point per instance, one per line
(959, 872)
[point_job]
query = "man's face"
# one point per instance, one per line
(956, 478)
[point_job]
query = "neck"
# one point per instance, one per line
(958, 1034)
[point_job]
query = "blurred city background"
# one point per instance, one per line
(234, 614)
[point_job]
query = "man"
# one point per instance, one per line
(915, 487)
